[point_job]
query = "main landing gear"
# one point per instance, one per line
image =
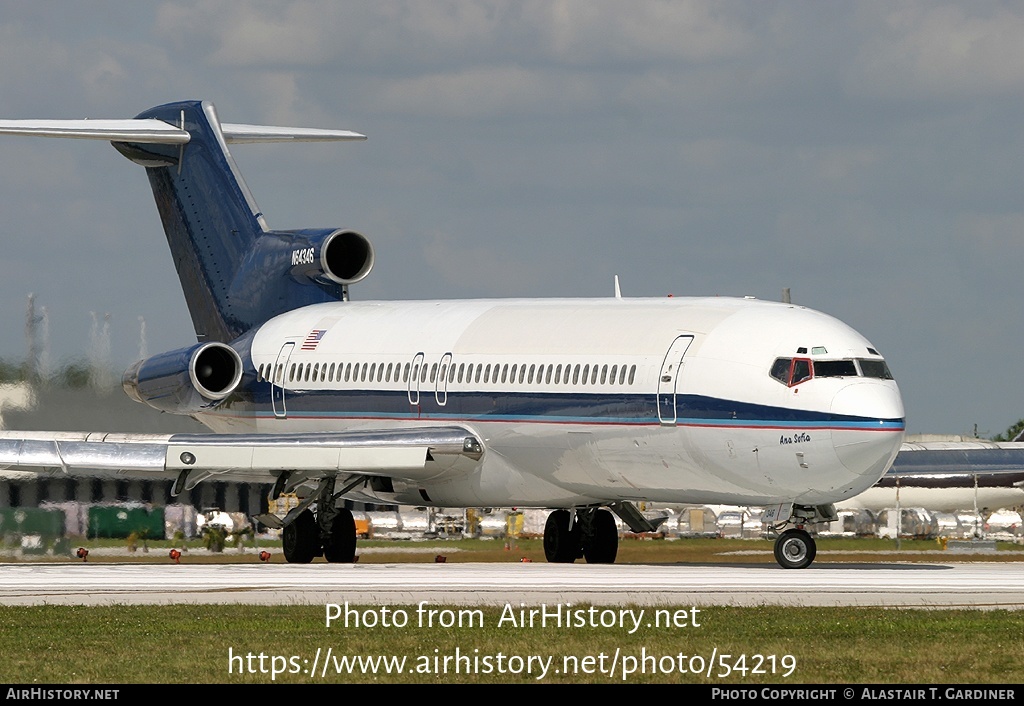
(331, 533)
(591, 534)
(307, 538)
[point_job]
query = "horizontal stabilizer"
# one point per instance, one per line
(237, 132)
(153, 131)
(149, 131)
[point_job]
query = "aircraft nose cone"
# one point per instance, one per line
(870, 426)
(869, 399)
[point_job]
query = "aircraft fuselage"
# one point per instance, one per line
(583, 401)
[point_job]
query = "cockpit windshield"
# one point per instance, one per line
(835, 369)
(793, 371)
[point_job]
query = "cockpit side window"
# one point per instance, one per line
(874, 369)
(801, 371)
(780, 370)
(791, 371)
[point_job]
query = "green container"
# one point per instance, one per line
(119, 522)
(31, 520)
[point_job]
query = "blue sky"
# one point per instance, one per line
(866, 155)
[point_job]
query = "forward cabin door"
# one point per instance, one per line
(277, 381)
(671, 369)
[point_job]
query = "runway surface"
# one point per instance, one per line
(979, 585)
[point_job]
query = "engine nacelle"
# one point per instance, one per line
(187, 380)
(342, 256)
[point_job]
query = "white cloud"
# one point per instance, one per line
(928, 50)
(573, 32)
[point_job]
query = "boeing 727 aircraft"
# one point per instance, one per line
(576, 405)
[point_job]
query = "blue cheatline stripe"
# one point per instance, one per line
(543, 407)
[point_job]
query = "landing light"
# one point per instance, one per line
(471, 446)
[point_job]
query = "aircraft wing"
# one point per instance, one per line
(416, 454)
(935, 459)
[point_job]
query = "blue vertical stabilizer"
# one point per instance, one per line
(235, 273)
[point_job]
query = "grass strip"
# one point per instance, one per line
(172, 644)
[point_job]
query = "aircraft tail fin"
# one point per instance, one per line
(214, 228)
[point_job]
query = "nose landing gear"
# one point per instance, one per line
(795, 549)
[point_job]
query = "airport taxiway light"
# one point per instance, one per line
(82, 554)
(264, 555)
(526, 560)
(175, 556)
(440, 559)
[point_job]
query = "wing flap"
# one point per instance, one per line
(221, 457)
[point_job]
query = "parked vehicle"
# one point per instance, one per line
(913, 523)
(697, 521)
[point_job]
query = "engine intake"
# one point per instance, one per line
(186, 380)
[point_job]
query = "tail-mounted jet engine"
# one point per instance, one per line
(341, 256)
(187, 380)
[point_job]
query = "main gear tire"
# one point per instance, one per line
(561, 545)
(301, 539)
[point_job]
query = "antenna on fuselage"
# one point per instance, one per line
(785, 296)
(618, 292)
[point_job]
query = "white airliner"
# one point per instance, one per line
(570, 404)
(949, 474)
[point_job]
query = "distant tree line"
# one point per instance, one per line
(1012, 433)
(74, 374)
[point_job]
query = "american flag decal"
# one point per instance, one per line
(313, 339)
